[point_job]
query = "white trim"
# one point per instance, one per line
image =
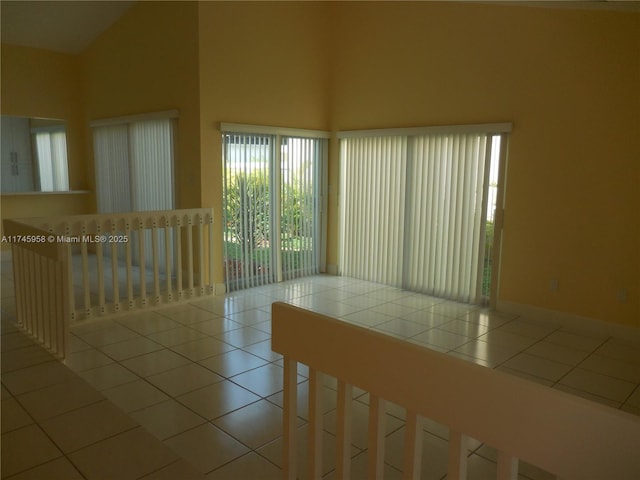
(101, 122)
(570, 320)
(487, 128)
(49, 129)
(269, 130)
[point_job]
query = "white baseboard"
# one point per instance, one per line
(570, 320)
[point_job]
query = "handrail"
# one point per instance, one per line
(569, 436)
(151, 257)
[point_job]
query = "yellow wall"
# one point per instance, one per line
(568, 80)
(261, 64)
(148, 62)
(38, 83)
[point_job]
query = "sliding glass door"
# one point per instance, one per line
(418, 208)
(272, 204)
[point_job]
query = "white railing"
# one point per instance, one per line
(568, 436)
(80, 267)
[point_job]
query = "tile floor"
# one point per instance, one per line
(194, 391)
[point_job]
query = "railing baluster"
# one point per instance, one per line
(190, 254)
(167, 258)
(38, 308)
(142, 263)
(48, 308)
(128, 263)
(85, 274)
(179, 257)
(200, 255)
(100, 267)
(212, 285)
(315, 424)
(412, 446)
(376, 437)
(156, 261)
(457, 456)
(115, 281)
(507, 466)
(343, 430)
(290, 407)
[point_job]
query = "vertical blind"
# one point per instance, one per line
(413, 209)
(272, 187)
(51, 148)
(134, 172)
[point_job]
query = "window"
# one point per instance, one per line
(51, 153)
(414, 207)
(273, 212)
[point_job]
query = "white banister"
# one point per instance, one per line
(566, 435)
(117, 243)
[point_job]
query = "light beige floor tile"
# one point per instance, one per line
(263, 381)
(126, 456)
(108, 376)
(536, 330)
(217, 399)
(86, 360)
(489, 318)
(206, 447)
(254, 425)
(368, 318)
(634, 398)
(557, 353)
(135, 395)
(537, 366)
(394, 309)
(13, 415)
(130, 348)
(440, 338)
(619, 369)
(36, 377)
(24, 357)
(620, 350)
(59, 398)
(527, 376)
(186, 314)
(273, 452)
(587, 395)
(166, 419)
(416, 301)
(146, 323)
(243, 337)
(16, 339)
(25, 448)
(598, 384)
(200, 349)
(451, 309)
(86, 425)
(176, 336)
(250, 317)
(154, 362)
(359, 469)
(180, 470)
(58, 469)
(263, 350)
(113, 334)
(329, 397)
(360, 424)
(467, 329)
(489, 352)
(216, 326)
(434, 453)
(507, 339)
(232, 363)
(184, 379)
(580, 342)
(250, 466)
(427, 318)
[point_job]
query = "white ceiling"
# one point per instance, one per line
(61, 26)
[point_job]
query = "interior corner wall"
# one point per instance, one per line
(44, 84)
(148, 62)
(261, 63)
(567, 79)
